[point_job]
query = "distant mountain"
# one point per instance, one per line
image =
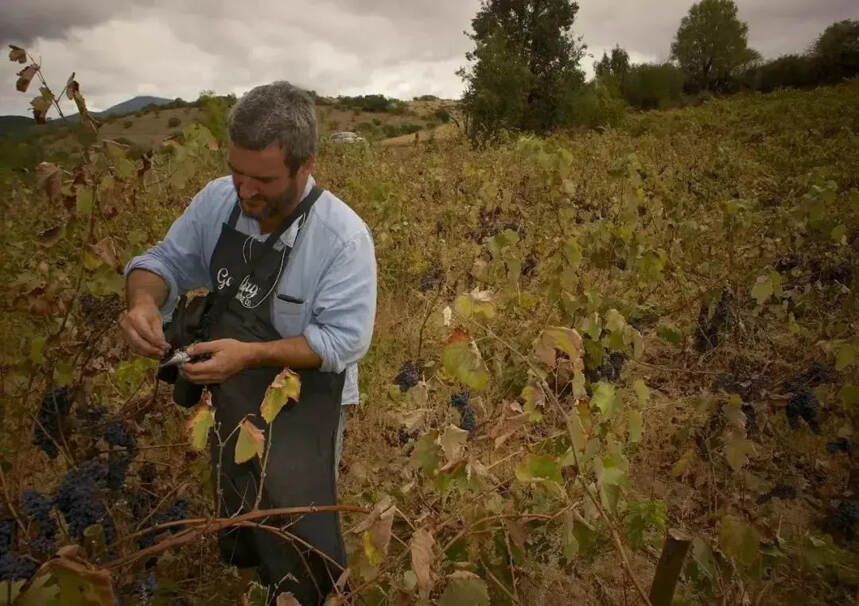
(133, 105)
(11, 124)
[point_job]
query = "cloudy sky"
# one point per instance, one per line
(401, 48)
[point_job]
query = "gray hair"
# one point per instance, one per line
(276, 113)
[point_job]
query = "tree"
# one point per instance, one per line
(614, 67)
(526, 64)
(712, 44)
(837, 50)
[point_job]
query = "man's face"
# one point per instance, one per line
(263, 182)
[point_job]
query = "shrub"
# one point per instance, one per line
(127, 123)
(650, 86)
(592, 106)
(442, 115)
(173, 122)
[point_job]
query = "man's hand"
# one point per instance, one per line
(229, 356)
(141, 327)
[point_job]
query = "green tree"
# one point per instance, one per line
(837, 50)
(712, 44)
(613, 67)
(526, 65)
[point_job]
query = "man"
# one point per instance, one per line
(291, 272)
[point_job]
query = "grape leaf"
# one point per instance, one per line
(286, 386)
(200, 424)
(250, 442)
(606, 399)
(635, 427)
(462, 360)
(426, 453)
(641, 392)
(739, 540)
(763, 289)
(16, 53)
(539, 468)
(25, 76)
(37, 349)
(737, 453)
(377, 538)
(84, 201)
(849, 395)
(464, 589)
(453, 442)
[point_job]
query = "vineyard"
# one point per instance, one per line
(592, 350)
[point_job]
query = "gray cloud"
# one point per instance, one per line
(124, 48)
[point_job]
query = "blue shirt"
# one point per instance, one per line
(331, 269)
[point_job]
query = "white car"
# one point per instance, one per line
(346, 137)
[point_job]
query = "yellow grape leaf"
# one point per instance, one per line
(642, 392)
(462, 360)
(683, 463)
(286, 386)
(377, 538)
(250, 443)
(739, 540)
(635, 427)
(763, 289)
(563, 339)
(465, 588)
(84, 200)
(200, 425)
(737, 453)
(605, 398)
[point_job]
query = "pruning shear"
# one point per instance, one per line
(179, 357)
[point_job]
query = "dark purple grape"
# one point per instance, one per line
(36, 505)
(7, 535)
(459, 400)
(78, 499)
(146, 588)
(15, 568)
(147, 473)
(842, 522)
(803, 405)
(467, 420)
(839, 445)
(94, 415)
(117, 434)
(408, 377)
(117, 469)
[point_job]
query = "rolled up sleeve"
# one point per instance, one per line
(344, 310)
(178, 258)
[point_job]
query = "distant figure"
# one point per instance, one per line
(291, 273)
(417, 137)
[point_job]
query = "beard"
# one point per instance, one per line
(263, 208)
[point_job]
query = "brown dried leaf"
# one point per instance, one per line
(25, 76)
(105, 249)
(16, 53)
(287, 599)
(72, 87)
(423, 556)
(50, 178)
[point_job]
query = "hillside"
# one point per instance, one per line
(582, 342)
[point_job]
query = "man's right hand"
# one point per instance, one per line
(142, 329)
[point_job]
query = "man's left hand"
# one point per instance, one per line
(229, 356)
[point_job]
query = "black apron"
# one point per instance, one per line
(301, 466)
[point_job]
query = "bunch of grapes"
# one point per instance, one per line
(94, 415)
(460, 401)
(803, 405)
(146, 588)
(408, 377)
(38, 508)
(12, 566)
(842, 522)
(117, 468)
(55, 406)
(116, 433)
(78, 499)
(178, 510)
